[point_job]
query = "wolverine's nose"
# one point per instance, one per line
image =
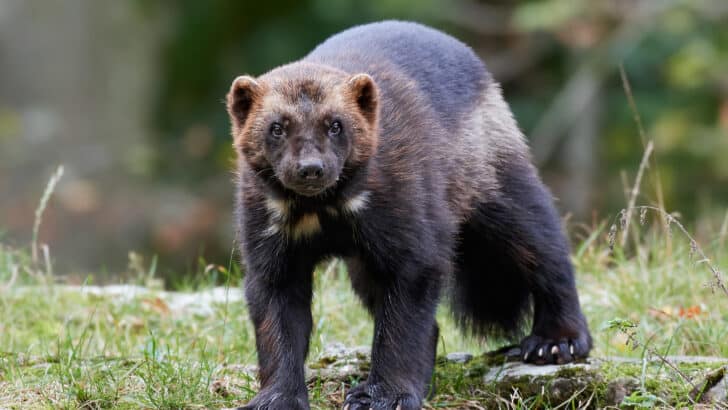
(310, 169)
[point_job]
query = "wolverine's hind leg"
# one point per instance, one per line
(513, 250)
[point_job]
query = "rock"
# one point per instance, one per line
(595, 383)
(336, 352)
(718, 394)
(459, 357)
(713, 388)
(338, 362)
(552, 382)
(225, 388)
(202, 303)
(579, 382)
(620, 388)
(517, 370)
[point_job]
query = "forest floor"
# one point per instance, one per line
(134, 345)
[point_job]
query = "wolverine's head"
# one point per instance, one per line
(305, 122)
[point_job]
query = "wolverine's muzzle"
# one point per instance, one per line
(310, 169)
(308, 176)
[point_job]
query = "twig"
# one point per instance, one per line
(571, 399)
(41, 208)
(632, 105)
(221, 340)
(13, 277)
(723, 231)
(627, 328)
(636, 190)
(643, 137)
(669, 364)
(48, 264)
(330, 267)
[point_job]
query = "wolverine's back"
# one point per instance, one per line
(442, 116)
(444, 69)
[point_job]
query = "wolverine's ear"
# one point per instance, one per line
(243, 93)
(365, 93)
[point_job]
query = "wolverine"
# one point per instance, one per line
(391, 147)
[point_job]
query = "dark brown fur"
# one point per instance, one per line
(390, 146)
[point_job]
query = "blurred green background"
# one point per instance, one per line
(127, 95)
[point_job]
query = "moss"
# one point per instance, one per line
(573, 372)
(603, 383)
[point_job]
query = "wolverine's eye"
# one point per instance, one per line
(276, 130)
(335, 129)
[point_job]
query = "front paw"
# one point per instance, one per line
(358, 398)
(277, 401)
(365, 396)
(540, 350)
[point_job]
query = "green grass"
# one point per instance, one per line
(63, 349)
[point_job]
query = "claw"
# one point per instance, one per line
(540, 352)
(571, 349)
(525, 357)
(555, 350)
(347, 407)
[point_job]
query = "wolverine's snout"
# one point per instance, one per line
(308, 175)
(310, 169)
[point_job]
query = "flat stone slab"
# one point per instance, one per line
(596, 382)
(515, 370)
(459, 357)
(200, 303)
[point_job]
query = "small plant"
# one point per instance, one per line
(718, 281)
(642, 399)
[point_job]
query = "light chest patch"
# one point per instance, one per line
(357, 203)
(283, 220)
(278, 208)
(306, 225)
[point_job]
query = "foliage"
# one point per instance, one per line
(675, 52)
(69, 348)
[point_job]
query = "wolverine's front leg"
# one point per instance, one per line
(405, 339)
(280, 308)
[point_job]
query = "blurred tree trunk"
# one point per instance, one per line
(75, 90)
(579, 152)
